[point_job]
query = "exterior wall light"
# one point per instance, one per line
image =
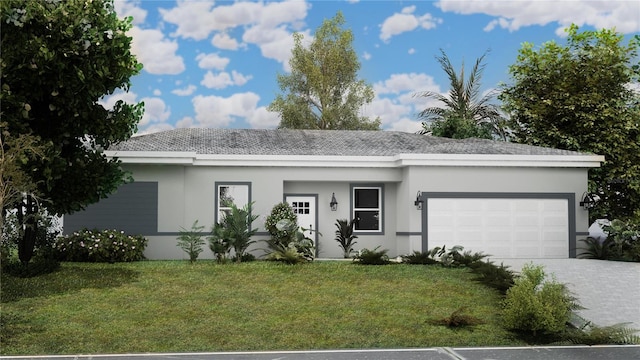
(587, 201)
(418, 203)
(334, 202)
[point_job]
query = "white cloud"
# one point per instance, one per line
(387, 109)
(224, 41)
(268, 25)
(366, 56)
(512, 15)
(406, 125)
(263, 119)
(212, 61)
(398, 83)
(185, 91)
(157, 54)
(193, 19)
(411, 51)
(130, 8)
(157, 92)
(215, 111)
(155, 110)
(224, 79)
(404, 21)
(185, 122)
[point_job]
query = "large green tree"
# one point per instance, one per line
(465, 112)
(323, 90)
(59, 58)
(579, 96)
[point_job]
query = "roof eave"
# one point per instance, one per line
(401, 160)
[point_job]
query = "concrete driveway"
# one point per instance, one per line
(609, 290)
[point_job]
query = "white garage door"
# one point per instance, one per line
(503, 228)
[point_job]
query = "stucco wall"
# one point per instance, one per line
(187, 193)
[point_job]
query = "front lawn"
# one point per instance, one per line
(172, 306)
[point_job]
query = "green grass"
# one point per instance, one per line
(172, 306)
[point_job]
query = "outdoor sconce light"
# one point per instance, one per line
(334, 202)
(418, 203)
(587, 201)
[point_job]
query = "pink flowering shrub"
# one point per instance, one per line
(100, 246)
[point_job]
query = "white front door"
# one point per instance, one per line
(305, 208)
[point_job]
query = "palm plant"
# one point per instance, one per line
(345, 237)
(235, 230)
(466, 112)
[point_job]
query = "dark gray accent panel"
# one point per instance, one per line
(570, 197)
(133, 208)
(407, 233)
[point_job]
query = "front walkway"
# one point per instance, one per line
(609, 290)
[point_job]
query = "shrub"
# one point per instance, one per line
(219, 243)
(190, 241)
(233, 231)
(100, 246)
(618, 334)
(294, 249)
(536, 306)
(345, 237)
(489, 274)
(625, 236)
(596, 248)
(40, 264)
(280, 211)
(372, 257)
(420, 258)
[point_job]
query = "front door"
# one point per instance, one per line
(305, 207)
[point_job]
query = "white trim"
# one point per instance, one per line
(333, 161)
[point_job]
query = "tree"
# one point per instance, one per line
(322, 91)
(59, 58)
(465, 112)
(577, 97)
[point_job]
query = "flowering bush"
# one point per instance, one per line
(279, 212)
(100, 246)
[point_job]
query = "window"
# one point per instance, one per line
(367, 208)
(228, 194)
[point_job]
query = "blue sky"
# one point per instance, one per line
(214, 63)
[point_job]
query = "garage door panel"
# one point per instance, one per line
(516, 228)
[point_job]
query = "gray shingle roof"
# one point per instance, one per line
(320, 142)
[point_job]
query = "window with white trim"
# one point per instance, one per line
(367, 208)
(228, 194)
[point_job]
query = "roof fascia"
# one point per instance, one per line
(402, 160)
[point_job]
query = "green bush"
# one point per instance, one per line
(294, 249)
(537, 306)
(372, 257)
(492, 275)
(100, 246)
(622, 242)
(233, 231)
(345, 237)
(419, 258)
(40, 264)
(190, 241)
(618, 334)
(280, 212)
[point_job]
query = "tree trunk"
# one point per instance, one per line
(27, 221)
